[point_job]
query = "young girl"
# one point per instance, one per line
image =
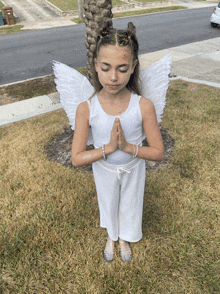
(117, 114)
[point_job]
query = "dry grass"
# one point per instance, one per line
(50, 238)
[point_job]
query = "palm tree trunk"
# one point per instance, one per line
(96, 12)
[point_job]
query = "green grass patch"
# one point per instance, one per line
(77, 20)
(51, 242)
(11, 29)
(66, 5)
(145, 11)
(118, 2)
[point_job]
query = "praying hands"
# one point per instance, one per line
(117, 140)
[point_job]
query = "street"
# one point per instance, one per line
(30, 54)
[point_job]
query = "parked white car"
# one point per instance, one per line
(215, 17)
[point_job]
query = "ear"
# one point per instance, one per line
(135, 63)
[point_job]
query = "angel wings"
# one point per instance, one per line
(75, 88)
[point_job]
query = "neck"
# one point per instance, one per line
(123, 94)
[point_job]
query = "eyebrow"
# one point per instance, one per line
(121, 65)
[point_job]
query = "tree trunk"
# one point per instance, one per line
(95, 13)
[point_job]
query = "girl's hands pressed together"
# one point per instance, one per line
(117, 140)
(114, 136)
(121, 137)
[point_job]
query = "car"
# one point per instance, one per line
(215, 17)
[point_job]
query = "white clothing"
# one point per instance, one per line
(101, 125)
(119, 180)
(120, 196)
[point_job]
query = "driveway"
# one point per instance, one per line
(30, 10)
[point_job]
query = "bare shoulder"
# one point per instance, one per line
(146, 106)
(83, 111)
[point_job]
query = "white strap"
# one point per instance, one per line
(89, 104)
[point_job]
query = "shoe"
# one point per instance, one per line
(126, 254)
(109, 252)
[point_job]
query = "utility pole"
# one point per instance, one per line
(80, 11)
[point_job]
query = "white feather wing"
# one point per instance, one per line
(154, 84)
(73, 88)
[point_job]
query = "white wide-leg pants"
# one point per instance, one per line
(120, 191)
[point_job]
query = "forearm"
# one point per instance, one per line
(89, 156)
(144, 152)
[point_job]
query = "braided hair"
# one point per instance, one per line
(126, 38)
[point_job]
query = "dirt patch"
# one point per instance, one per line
(31, 88)
(59, 149)
(26, 90)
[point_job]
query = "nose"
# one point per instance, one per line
(114, 76)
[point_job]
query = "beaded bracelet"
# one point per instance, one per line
(103, 152)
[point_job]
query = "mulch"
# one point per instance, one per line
(59, 149)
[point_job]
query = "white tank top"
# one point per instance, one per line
(101, 125)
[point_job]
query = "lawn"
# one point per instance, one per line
(50, 239)
(145, 1)
(66, 5)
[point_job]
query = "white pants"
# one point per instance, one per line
(120, 191)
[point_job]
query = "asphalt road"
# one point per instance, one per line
(30, 54)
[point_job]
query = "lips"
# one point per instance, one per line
(113, 86)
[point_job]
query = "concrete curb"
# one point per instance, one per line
(22, 110)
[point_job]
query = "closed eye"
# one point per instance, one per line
(105, 69)
(123, 70)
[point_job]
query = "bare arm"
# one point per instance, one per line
(80, 156)
(155, 151)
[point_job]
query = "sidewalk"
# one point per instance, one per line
(196, 62)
